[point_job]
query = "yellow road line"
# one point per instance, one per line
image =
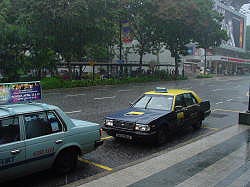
(95, 164)
(215, 129)
(223, 110)
(107, 138)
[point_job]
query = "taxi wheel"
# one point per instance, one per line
(66, 161)
(161, 136)
(197, 125)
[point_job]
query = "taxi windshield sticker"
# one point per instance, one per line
(11, 93)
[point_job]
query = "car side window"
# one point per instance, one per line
(54, 122)
(179, 100)
(9, 130)
(41, 124)
(189, 99)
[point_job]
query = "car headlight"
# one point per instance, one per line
(109, 122)
(141, 127)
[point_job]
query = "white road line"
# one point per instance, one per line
(101, 98)
(229, 100)
(215, 90)
(53, 93)
(124, 90)
(219, 103)
(247, 94)
(74, 95)
(73, 112)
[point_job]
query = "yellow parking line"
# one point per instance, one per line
(107, 138)
(211, 128)
(223, 110)
(95, 164)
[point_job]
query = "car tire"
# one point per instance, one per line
(197, 125)
(161, 136)
(66, 161)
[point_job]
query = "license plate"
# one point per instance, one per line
(125, 136)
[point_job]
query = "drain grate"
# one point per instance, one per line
(215, 115)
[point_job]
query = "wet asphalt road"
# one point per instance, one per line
(228, 96)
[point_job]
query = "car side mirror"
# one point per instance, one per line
(178, 108)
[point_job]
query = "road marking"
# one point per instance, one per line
(74, 95)
(247, 94)
(124, 90)
(229, 100)
(215, 90)
(101, 98)
(211, 128)
(95, 164)
(107, 138)
(219, 103)
(52, 93)
(72, 112)
(224, 110)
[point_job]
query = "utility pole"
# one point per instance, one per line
(120, 39)
(249, 100)
(205, 61)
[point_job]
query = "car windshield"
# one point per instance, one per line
(157, 102)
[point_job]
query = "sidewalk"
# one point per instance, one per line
(221, 159)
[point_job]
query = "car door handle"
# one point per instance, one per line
(14, 152)
(58, 141)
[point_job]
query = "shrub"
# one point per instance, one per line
(55, 82)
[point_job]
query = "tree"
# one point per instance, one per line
(201, 25)
(13, 39)
(210, 32)
(144, 25)
(248, 38)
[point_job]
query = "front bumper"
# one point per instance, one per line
(98, 143)
(136, 135)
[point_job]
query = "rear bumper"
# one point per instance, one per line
(136, 135)
(98, 143)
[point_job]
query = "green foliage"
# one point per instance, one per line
(37, 34)
(204, 76)
(248, 38)
(53, 83)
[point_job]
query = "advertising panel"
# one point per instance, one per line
(11, 93)
(126, 32)
(234, 24)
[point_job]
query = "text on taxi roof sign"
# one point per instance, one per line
(11, 93)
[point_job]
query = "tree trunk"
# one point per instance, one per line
(176, 58)
(140, 62)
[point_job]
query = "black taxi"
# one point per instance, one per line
(156, 114)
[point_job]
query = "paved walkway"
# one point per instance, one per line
(221, 159)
